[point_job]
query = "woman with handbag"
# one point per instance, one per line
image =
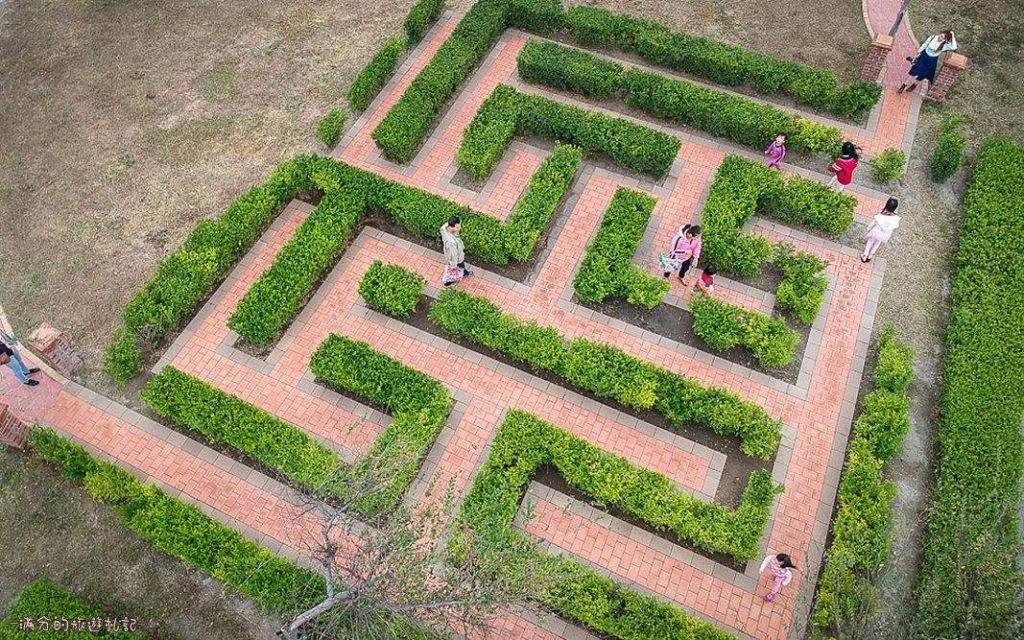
(685, 251)
(454, 252)
(927, 61)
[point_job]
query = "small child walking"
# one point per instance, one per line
(780, 566)
(881, 229)
(706, 282)
(842, 168)
(776, 151)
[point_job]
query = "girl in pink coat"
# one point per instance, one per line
(780, 566)
(685, 249)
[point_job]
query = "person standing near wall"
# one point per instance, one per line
(923, 67)
(9, 355)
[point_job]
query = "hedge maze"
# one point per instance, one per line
(658, 442)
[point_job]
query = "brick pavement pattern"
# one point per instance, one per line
(817, 416)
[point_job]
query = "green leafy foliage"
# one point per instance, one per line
(524, 443)
(419, 404)
(949, 149)
(405, 126)
(803, 286)
(329, 129)
(43, 599)
(895, 369)
(724, 326)
(861, 532)
(391, 289)
(553, 65)
(537, 16)
(187, 533)
(607, 371)
(278, 295)
(422, 14)
(122, 358)
(970, 583)
(888, 165)
(719, 62)
(224, 418)
(723, 114)
(372, 78)
(607, 270)
(545, 191)
(507, 113)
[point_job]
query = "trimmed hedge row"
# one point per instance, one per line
(224, 418)
(184, 531)
(372, 78)
(970, 582)
(719, 62)
(507, 113)
(418, 403)
(524, 443)
(43, 599)
(724, 326)
(422, 14)
(608, 371)
(391, 289)
(736, 118)
(545, 191)
(189, 275)
(279, 293)
(861, 532)
(405, 126)
(607, 270)
(329, 129)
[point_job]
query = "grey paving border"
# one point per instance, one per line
(193, 447)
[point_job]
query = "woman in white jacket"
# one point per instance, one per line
(881, 229)
(454, 252)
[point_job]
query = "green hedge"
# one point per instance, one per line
(223, 418)
(861, 532)
(524, 443)
(507, 113)
(329, 129)
(553, 65)
(274, 300)
(391, 289)
(607, 371)
(405, 126)
(970, 582)
(422, 14)
(607, 270)
(724, 326)
(43, 599)
(372, 78)
(719, 62)
(888, 165)
(537, 16)
(185, 532)
(803, 286)
(418, 403)
(546, 190)
(949, 149)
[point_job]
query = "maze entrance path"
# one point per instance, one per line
(816, 410)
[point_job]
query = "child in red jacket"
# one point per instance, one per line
(842, 168)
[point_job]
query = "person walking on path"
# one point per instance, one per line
(454, 252)
(927, 60)
(880, 229)
(685, 251)
(706, 282)
(9, 355)
(842, 168)
(776, 152)
(780, 567)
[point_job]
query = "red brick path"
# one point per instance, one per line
(819, 418)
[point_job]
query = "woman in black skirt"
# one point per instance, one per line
(927, 60)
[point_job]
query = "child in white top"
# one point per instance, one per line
(881, 229)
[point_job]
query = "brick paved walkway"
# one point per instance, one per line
(816, 411)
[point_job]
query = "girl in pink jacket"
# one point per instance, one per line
(776, 151)
(685, 249)
(780, 566)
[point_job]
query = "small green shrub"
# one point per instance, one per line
(330, 128)
(607, 270)
(888, 165)
(74, 461)
(883, 422)
(422, 14)
(122, 358)
(949, 149)
(42, 599)
(895, 369)
(372, 78)
(723, 326)
(390, 289)
(803, 286)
